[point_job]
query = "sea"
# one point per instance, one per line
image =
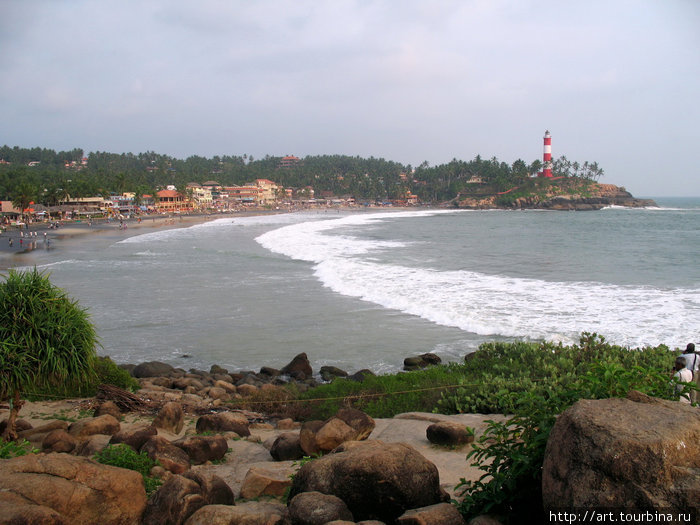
(365, 289)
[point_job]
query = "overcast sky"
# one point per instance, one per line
(617, 82)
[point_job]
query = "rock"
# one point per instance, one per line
(421, 361)
(216, 369)
(201, 449)
(375, 480)
(298, 368)
(485, 519)
(328, 373)
(162, 381)
(77, 489)
(170, 417)
(438, 514)
(287, 446)
(361, 423)
(247, 390)
(58, 441)
(333, 432)
(269, 372)
(307, 437)
(248, 513)
(92, 445)
(314, 508)
(448, 434)
(262, 482)
(180, 496)
(135, 438)
(226, 386)
(20, 425)
(287, 424)
(219, 393)
(96, 425)
(108, 407)
(172, 458)
(43, 429)
(15, 509)
(152, 369)
(183, 383)
(617, 453)
(224, 422)
(360, 375)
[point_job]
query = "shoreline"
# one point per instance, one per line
(16, 243)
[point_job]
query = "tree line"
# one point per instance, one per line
(54, 176)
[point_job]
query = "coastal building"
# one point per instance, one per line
(289, 161)
(170, 201)
(201, 196)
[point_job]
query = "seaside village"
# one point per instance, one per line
(208, 197)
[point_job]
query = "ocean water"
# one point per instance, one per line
(366, 289)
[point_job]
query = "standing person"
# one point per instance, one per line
(682, 374)
(692, 363)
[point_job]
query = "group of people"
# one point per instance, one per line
(687, 370)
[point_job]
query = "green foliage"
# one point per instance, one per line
(511, 453)
(45, 337)
(106, 372)
(12, 449)
(123, 456)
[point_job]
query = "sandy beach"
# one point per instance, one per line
(18, 247)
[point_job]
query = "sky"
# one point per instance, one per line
(614, 81)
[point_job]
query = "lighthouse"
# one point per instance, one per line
(547, 158)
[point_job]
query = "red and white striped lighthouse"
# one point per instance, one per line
(547, 158)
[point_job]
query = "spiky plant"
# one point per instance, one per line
(45, 338)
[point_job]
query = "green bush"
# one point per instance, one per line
(123, 456)
(12, 449)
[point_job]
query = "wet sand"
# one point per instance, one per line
(17, 245)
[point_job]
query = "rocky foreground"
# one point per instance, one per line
(225, 466)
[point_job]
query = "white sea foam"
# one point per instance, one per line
(487, 304)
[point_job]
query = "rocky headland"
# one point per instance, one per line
(565, 197)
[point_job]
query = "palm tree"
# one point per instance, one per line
(45, 339)
(23, 196)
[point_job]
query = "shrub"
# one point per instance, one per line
(123, 456)
(45, 339)
(12, 449)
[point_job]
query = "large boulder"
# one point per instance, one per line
(76, 489)
(263, 482)
(624, 453)
(448, 434)
(348, 424)
(152, 369)
(298, 368)
(375, 480)
(58, 441)
(438, 514)
(223, 422)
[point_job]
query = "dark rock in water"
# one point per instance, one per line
(640, 454)
(269, 372)
(421, 361)
(152, 369)
(330, 372)
(216, 369)
(128, 367)
(360, 375)
(299, 367)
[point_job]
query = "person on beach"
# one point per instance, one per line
(692, 363)
(684, 375)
